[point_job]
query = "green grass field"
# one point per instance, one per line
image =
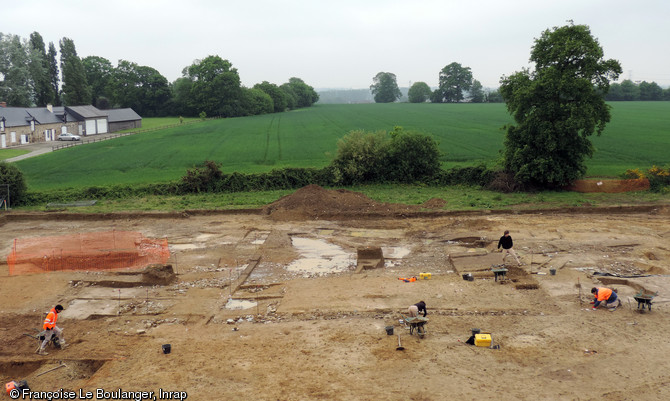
(9, 153)
(468, 134)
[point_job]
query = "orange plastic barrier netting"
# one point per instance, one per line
(86, 251)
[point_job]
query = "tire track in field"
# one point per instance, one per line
(268, 133)
(278, 138)
(268, 136)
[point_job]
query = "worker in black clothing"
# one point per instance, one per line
(506, 243)
(417, 308)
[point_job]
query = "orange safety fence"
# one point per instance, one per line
(86, 251)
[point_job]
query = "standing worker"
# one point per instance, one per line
(50, 329)
(417, 308)
(605, 294)
(506, 243)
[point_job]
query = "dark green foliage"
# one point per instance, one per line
(454, 80)
(213, 87)
(54, 74)
(12, 176)
(138, 87)
(474, 176)
(39, 69)
(373, 157)
(419, 92)
(361, 157)
(15, 76)
(279, 97)
(299, 94)
(384, 88)
(202, 179)
(99, 72)
(75, 87)
(412, 157)
(557, 107)
(477, 92)
(256, 102)
(209, 179)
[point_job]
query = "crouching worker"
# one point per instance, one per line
(50, 329)
(417, 308)
(607, 295)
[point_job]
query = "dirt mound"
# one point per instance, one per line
(158, 274)
(609, 186)
(314, 202)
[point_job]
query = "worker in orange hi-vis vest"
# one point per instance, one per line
(50, 329)
(605, 295)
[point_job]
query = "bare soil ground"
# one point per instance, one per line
(312, 329)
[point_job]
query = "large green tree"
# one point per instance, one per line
(256, 102)
(454, 80)
(214, 87)
(279, 97)
(304, 95)
(99, 73)
(54, 73)
(141, 88)
(16, 85)
(556, 107)
(39, 69)
(650, 91)
(75, 90)
(384, 88)
(477, 94)
(419, 92)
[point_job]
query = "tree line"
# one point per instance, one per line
(31, 75)
(629, 90)
(455, 82)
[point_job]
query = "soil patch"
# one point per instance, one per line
(609, 186)
(314, 202)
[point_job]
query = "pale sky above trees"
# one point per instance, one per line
(345, 43)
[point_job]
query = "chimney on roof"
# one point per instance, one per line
(50, 107)
(3, 104)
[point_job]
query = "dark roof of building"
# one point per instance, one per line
(118, 115)
(15, 116)
(44, 116)
(86, 111)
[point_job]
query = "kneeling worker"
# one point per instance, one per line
(50, 329)
(605, 294)
(417, 308)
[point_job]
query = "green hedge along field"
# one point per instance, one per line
(468, 134)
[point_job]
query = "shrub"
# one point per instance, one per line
(12, 176)
(412, 157)
(375, 157)
(203, 178)
(361, 157)
(633, 174)
(659, 178)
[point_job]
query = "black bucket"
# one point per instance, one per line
(552, 272)
(167, 348)
(389, 330)
(468, 277)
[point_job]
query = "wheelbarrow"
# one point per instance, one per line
(417, 324)
(41, 335)
(644, 300)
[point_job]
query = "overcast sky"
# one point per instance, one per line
(345, 43)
